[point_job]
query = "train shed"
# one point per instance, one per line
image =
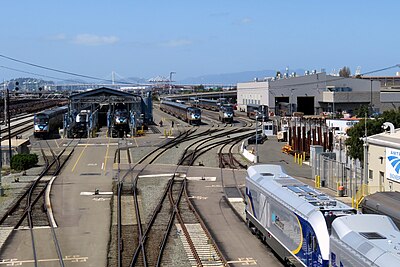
(90, 110)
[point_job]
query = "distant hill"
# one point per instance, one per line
(233, 78)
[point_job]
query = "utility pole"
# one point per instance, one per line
(5, 103)
(8, 124)
(365, 178)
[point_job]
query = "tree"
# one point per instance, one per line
(362, 110)
(20, 162)
(345, 72)
(374, 126)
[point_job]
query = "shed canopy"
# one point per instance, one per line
(104, 95)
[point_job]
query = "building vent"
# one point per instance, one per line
(372, 235)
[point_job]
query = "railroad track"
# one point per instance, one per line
(137, 241)
(146, 235)
(18, 128)
(29, 209)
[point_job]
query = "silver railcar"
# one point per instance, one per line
(191, 115)
(364, 240)
(292, 218)
(48, 122)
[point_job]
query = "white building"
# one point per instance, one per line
(312, 94)
(384, 161)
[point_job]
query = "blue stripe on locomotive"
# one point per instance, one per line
(250, 202)
(305, 253)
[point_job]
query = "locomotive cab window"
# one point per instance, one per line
(41, 120)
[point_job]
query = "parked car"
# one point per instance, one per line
(260, 139)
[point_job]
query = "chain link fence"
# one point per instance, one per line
(337, 175)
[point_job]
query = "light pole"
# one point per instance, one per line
(262, 121)
(256, 159)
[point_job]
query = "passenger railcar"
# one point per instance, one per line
(384, 203)
(257, 111)
(226, 113)
(364, 240)
(292, 218)
(210, 103)
(48, 122)
(191, 115)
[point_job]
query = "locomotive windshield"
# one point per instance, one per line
(194, 111)
(121, 113)
(81, 118)
(227, 108)
(41, 119)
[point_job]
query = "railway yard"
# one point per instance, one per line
(173, 197)
(132, 201)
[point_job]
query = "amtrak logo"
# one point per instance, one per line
(395, 162)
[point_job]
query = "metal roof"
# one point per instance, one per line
(375, 237)
(292, 192)
(103, 91)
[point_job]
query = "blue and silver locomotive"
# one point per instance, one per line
(292, 218)
(48, 122)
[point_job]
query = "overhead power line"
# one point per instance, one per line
(59, 71)
(36, 74)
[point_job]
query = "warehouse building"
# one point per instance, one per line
(312, 94)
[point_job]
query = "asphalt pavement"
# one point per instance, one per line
(270, 152)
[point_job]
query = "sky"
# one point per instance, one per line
(193, 38)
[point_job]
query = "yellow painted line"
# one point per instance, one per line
(106, 156)
(80, 155)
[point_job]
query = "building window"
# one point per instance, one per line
(382, 181)
(371, 174)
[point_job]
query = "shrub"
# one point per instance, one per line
(21, 162)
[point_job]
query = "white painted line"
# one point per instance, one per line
(101, 199)
(92, 164)
(111, 144)
(245, 261)
(235, 199)
(48, 203)
(214, 185)
(16, 262)
(202, 178)
(198, 197)
(35, 227)
(93, 194)
(162, 175)
(102, 166)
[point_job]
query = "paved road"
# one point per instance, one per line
(237, 243)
